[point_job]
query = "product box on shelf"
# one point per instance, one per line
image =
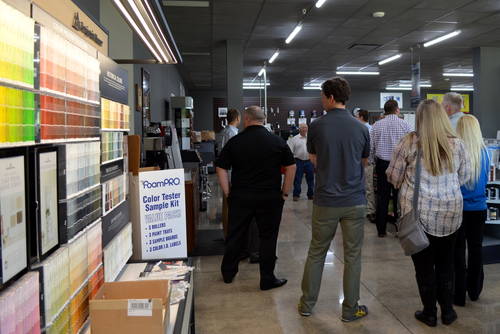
(131, 307)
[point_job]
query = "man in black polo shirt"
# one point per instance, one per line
(255, 157)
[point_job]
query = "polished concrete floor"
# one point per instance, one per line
(388, 289)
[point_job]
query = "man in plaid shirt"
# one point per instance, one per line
(384, 137)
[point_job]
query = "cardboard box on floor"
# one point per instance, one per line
(117, 308)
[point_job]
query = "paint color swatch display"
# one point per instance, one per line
(96, 282)
(66, 69)
(61, 324)
(79, 212)
(17, 116)
(20, 306)
(114, 115)
(16, 46)
(62, 119)
(113, 192)
(55, 281)
(82, 166)
(79, 309)
(78, 262)
(94, 243)
(117, 253)
(111, 146)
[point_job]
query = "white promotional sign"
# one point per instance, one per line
(384, 97)
(163, 214)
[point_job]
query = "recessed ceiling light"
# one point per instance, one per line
(274, 56)
(357, 73)
(442, 38)
(388, 60)
(378, 15)
(294, 33)
(457, 74)
(462, 89)
(313, 87)
(397, 88)
(320, 3)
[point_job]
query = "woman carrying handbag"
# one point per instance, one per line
(444, 168)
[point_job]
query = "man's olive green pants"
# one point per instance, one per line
(324, 225)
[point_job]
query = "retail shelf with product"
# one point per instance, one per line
(491, 243)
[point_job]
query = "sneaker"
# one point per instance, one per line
(360, 313)
(295, 199)
(303, 313)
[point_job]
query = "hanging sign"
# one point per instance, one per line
(162, 214)
(415, 97)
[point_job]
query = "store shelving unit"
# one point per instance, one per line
(491, 244)
(51, 82)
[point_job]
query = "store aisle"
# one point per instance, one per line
(388, 289)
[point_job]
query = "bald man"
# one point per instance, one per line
(298, 145)
(255, 158)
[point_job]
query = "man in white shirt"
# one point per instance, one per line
(298, 145)
(452, 103)
(231, 130)
(371, 204)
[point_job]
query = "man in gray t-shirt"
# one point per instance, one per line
(339, 146)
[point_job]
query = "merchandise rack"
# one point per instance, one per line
(491, 242)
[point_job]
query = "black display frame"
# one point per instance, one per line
(13, 153)
(35, 229)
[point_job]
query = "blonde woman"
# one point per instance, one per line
(445, 167)
(470, 279)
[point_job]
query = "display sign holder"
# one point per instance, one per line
(159, 209)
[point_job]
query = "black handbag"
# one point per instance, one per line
(410, 231)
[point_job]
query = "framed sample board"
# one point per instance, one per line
(13, 194)
(44, 201)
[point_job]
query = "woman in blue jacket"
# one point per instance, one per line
(469, 277)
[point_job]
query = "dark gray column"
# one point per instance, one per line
(486, 85)
(234, 70)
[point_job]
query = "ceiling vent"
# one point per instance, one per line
(363, 47)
